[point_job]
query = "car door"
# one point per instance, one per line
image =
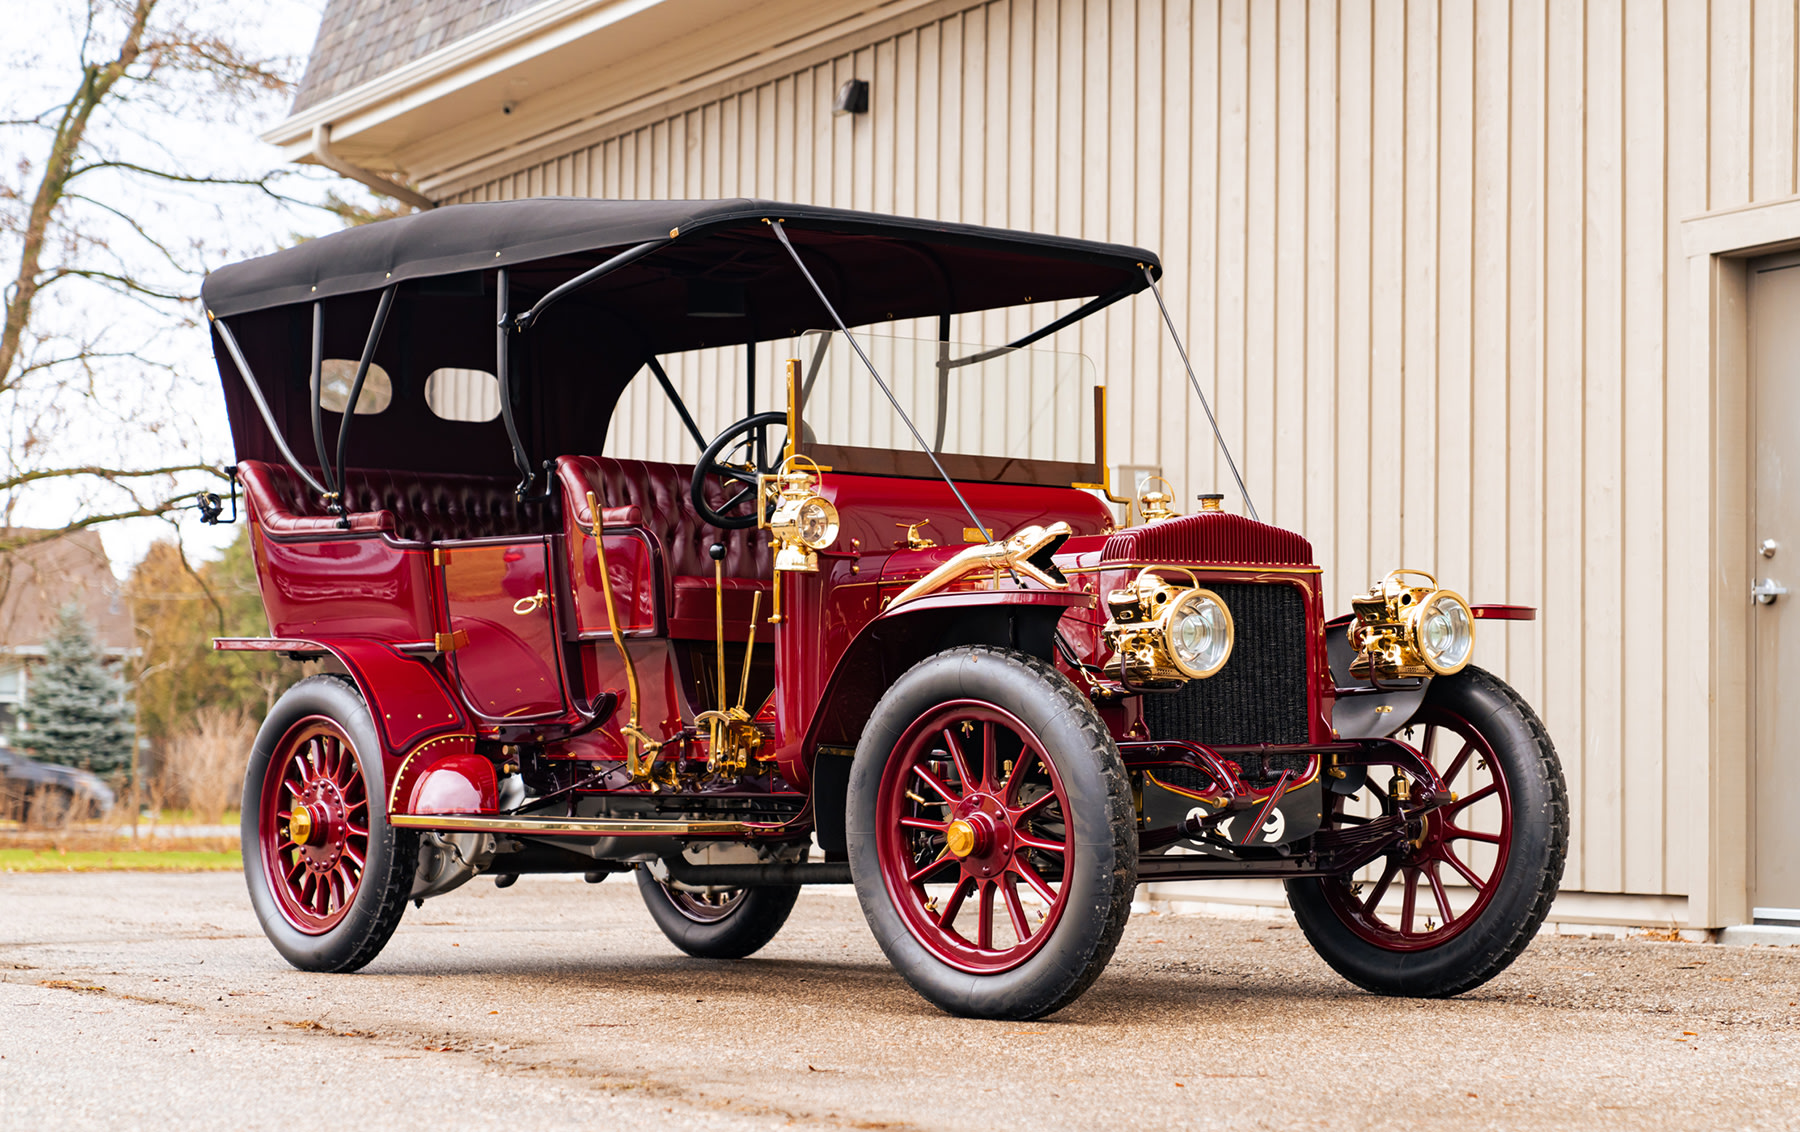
(500, 594)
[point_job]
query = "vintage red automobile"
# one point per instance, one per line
(890, 635)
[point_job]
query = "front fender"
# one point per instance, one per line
(896, 639)
(1361, 715)
(418, 719)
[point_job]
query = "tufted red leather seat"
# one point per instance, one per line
(412, 506)
(659, 494)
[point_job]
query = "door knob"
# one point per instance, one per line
(528, 605)
(1767, 590)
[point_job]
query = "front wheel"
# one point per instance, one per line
(328, 876)
(991, 835)
(1451, 908)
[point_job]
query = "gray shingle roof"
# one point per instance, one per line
(362, 39)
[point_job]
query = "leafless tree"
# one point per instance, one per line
(101, 274)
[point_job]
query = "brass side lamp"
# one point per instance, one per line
(803, 522)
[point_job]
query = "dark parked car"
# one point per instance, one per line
(27, 785)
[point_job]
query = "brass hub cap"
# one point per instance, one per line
(300, 826)
(961, 836)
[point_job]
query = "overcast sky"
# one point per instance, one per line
(37, 69)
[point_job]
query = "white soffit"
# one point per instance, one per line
(558, 65)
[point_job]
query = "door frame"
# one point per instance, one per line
(1716, 501)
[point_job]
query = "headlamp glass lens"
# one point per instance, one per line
(1446, 633)
(817, 523)
(1200, 633)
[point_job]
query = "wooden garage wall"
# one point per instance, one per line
(1425, 257)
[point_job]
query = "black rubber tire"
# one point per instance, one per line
(393, 854)
(1102, 874)
(1528, 883)
(742, 931)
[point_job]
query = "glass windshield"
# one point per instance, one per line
(990, 413)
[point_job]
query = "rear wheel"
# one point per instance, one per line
(328, 876)
(1452, 907)
(991, 835)
(727, 923)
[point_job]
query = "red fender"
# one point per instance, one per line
(418, 720)
(855, 682)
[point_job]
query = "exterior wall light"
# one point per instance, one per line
(852, 98)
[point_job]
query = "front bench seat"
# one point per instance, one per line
(658, 494)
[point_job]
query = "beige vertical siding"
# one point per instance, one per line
(1423, 256)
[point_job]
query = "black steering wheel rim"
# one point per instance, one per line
(737, 435)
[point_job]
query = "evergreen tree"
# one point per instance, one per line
(77, 714)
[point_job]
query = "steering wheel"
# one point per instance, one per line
(738, 454)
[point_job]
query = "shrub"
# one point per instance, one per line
(203, 765)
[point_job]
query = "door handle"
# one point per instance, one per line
(1766, 591)
(526, 606)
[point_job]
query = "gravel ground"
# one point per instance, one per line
(152, 1001)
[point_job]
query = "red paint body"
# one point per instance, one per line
(531, 645)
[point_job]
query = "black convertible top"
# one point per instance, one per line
(670, 276)
(981, 267)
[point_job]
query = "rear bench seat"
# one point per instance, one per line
(654, 497)
(424, 507)
(410, 506)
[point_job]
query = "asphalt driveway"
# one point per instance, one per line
(152, 1001)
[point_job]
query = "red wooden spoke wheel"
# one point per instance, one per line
(718, 923)
(705, 907)
(1446, 877)
(1456, 900)
(315, 825)
(971, 823)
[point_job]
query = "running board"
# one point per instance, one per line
(572, 827)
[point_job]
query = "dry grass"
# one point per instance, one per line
(87, 847)
(41, 807)
(203, 768)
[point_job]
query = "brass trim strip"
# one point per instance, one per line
(1203, 567)
(618, 827)
(400, 775)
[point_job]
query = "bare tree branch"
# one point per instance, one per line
(14, 540)
(97, 81)
(111, 475)
(259, 183)
(181, 553)
(121, 282)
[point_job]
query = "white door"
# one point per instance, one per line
(1775, 560)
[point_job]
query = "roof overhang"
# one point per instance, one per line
(559, 68)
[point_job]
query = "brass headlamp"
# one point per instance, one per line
(1410, 630)
(1160, 633)
(804, 522)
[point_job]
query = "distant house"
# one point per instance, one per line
(35, 583)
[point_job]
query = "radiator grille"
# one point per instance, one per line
(1260, 694)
